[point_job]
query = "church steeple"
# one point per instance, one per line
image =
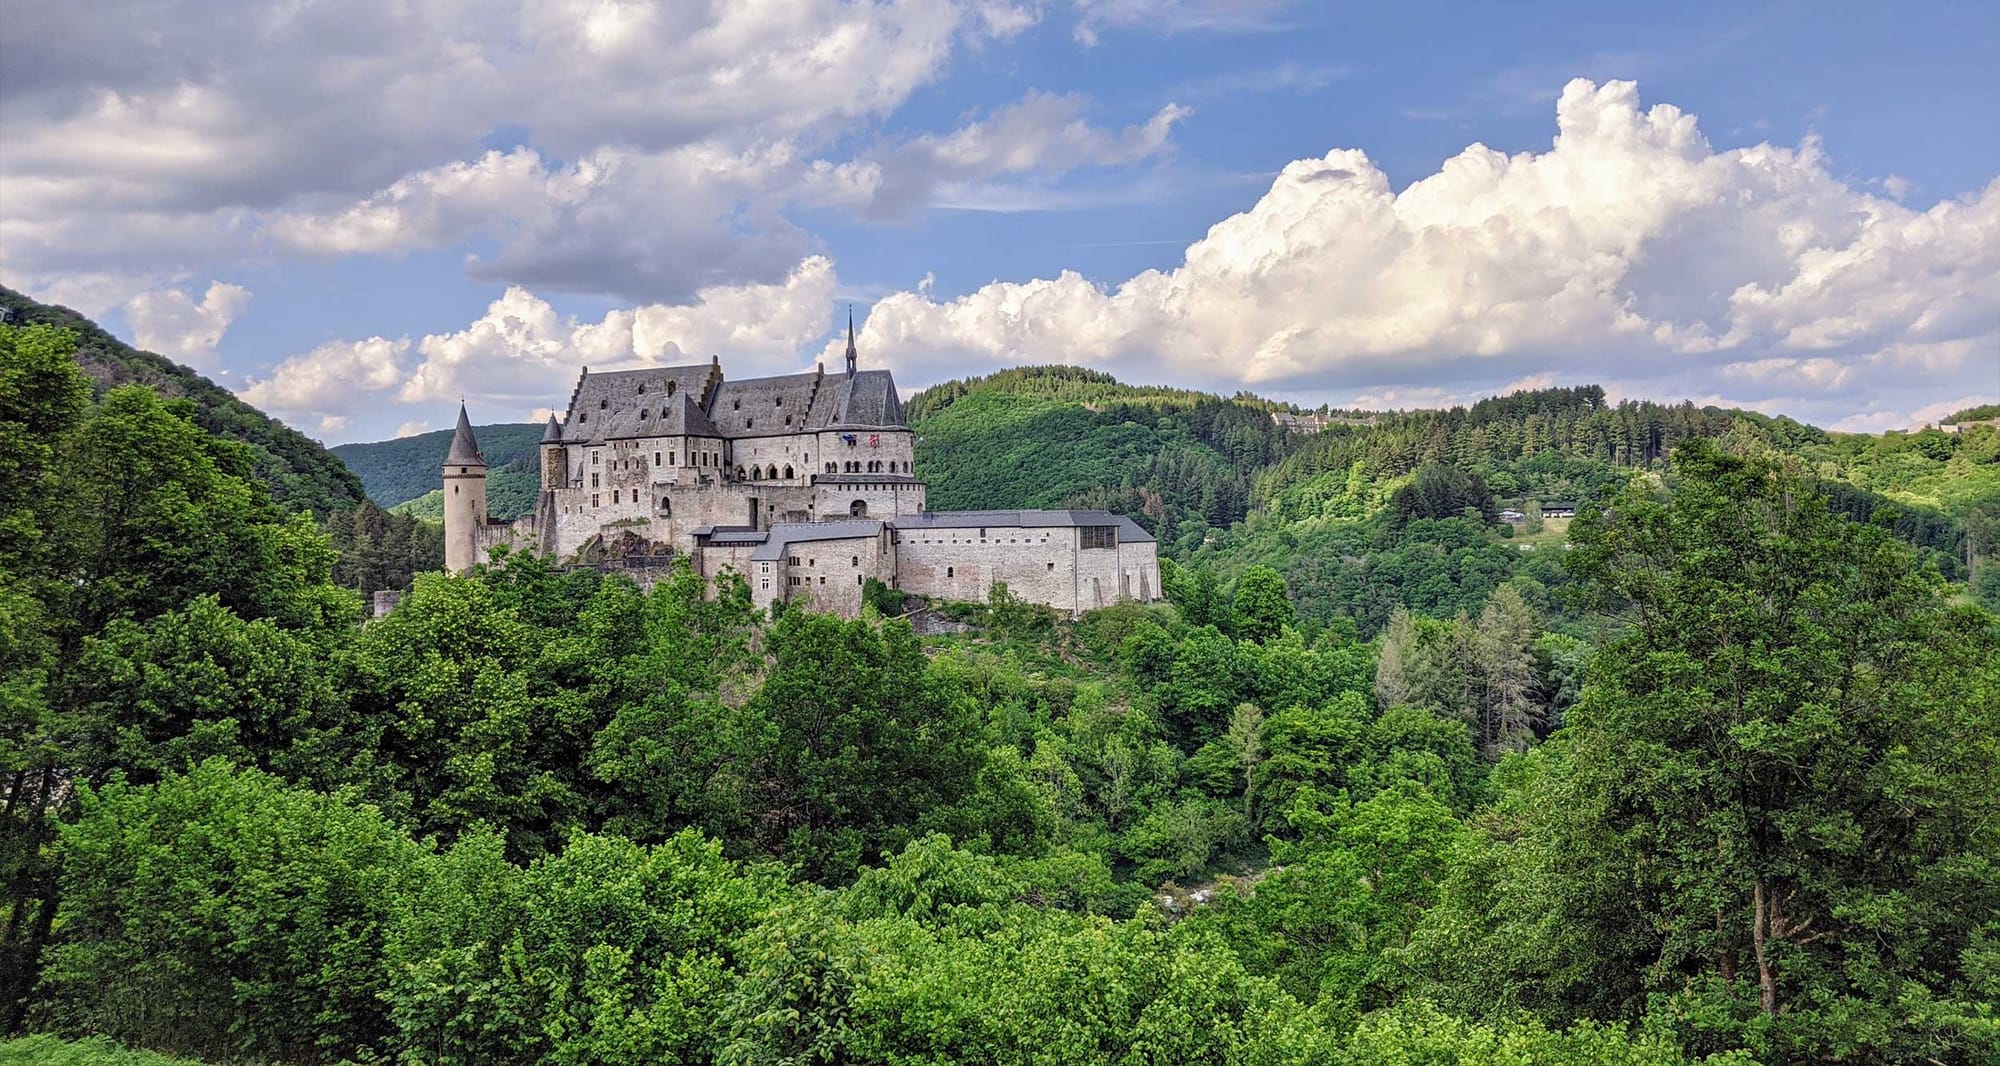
(852, 358)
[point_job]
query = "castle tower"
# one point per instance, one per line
(464, 498)
(555, 459)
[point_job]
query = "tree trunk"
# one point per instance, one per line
(1767, 982)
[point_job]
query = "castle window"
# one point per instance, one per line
(857, 560)
(642, 388)
(947, 571)
(670, 460)
(771, 472)
(1098, 536)
(593, 481)
(656, 458)
(454, 490)
(777, 401)
(642, 414)
(1052, 568)
(756, 474)
(666, 506)
(602, 404)
(582, 417)
(736, 405)
(596, 457)
(788, 473)
(593, 499)
(749, 422)
(830, 468)
(858, 509)
(982, 532)
(670, 388)
(788, 420)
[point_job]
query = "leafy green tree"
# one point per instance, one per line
(856, 744)
(1773, 805)
(1262, 607)
(223, 915)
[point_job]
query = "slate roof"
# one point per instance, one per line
(785, 534)
(698, 401)
(552, 433)
(758, 407)
(609, 405)
(464, 448)
(731, 535)
(868, 398)
(1128, 530)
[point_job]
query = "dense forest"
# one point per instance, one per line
(1710, 784)
(297, 473)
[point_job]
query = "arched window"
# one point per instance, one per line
(858, 509)
(739, 473)
(831, 469)
(788, 473)
(756, 473)
(772, 472)
(666, 507)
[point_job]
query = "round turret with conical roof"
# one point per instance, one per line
(464, 497)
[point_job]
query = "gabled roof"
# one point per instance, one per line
(464, 448)
(1128, 530)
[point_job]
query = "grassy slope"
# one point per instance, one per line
(300, 474)
(405, 470)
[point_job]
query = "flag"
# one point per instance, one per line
(874, 440)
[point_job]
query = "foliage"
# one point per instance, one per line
(45, 1050)
(296, 472)
(1558, 807)
(397, 472)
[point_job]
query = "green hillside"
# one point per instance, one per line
(1223, 487)
(400, 472)
(299, 473)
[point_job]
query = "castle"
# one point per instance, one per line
(803, 484)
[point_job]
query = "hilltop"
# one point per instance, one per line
(299, 473)
(402, 474)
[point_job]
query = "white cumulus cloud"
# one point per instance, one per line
(170, 322)
(1630, 249)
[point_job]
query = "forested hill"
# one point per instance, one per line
(405, 470)
(1221, 484)
(299, 473)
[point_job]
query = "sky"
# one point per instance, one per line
(357, 213)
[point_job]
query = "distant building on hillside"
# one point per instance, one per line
(804, 484)
(1314, 422)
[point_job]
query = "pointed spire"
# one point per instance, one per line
(852, 358)
(552, 434)
(464, 449)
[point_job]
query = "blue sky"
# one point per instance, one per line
(356, 213)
